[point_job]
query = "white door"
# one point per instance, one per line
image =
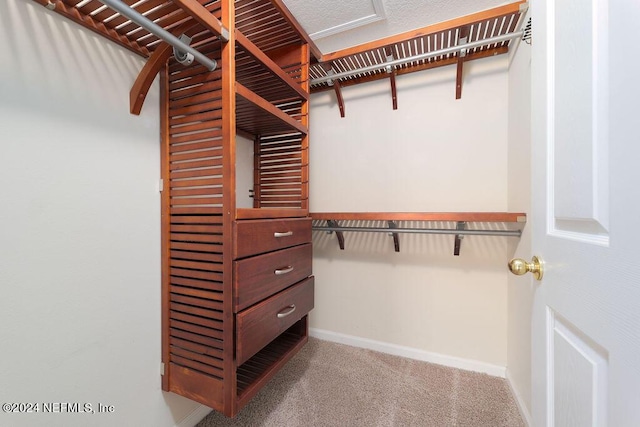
(586, 212)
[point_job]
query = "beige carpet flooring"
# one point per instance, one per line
(329, 384)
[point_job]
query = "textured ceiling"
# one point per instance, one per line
(361, 21)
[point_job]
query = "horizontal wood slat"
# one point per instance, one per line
(210, 299)
(192, 210)
(199, 348)
(212, 171)
(178, 192)
(209, 314)
(187, 351)
(195, 365)
(185, 227)
(195, 274)
(196, 265)
(195, 329)
(209, 285)
(178, 297)
(212, 324)
(213, 250)
(214, 346)
(197, 219)
(209, 138)
(193, 201)
(198, 256)
(205, 182)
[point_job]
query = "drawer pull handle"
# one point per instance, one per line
(285, 234)
(290, 309)
(281, 271)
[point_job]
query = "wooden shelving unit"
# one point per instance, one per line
(226, 333)
(215, 350)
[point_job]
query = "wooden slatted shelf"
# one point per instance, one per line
(259, 369)
(437, 45)
(270, 25)
(259, 73)
(331, 219)
(257, 116)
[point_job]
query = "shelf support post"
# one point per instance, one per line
(462, 40)
(396, 237)
(392, 78)
(334, 224)
(461, 225)
(336, 87)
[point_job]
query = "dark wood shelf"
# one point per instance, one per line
(259, 369)
(257, 116)
(260, 74)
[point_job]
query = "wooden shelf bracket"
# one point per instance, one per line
(336, 87)
(396, 238)
(392, 77)
(334, 226)
(461, 225)
(462, 40)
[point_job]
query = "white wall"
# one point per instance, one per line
(520, 289)
(434, 153)
(244, 172)
(79, 228)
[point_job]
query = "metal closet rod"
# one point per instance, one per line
(509, 233)
(154, 28)
(422, 56)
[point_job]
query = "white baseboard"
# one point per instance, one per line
(524, 412)
(411, 353)
(195, 416)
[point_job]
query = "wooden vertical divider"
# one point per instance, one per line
(228, 65)
(165, 220)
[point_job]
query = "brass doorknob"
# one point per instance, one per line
(519, 267)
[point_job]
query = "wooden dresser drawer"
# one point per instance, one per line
(259, 277)
(254, 237)
(262, 323)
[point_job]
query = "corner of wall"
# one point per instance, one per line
(522, 406)
(195, 416)
(520, 290)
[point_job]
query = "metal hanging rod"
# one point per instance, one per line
(154, 28)
(509, 233)
(402, 61)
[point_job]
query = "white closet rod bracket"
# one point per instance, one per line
(154, 28)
